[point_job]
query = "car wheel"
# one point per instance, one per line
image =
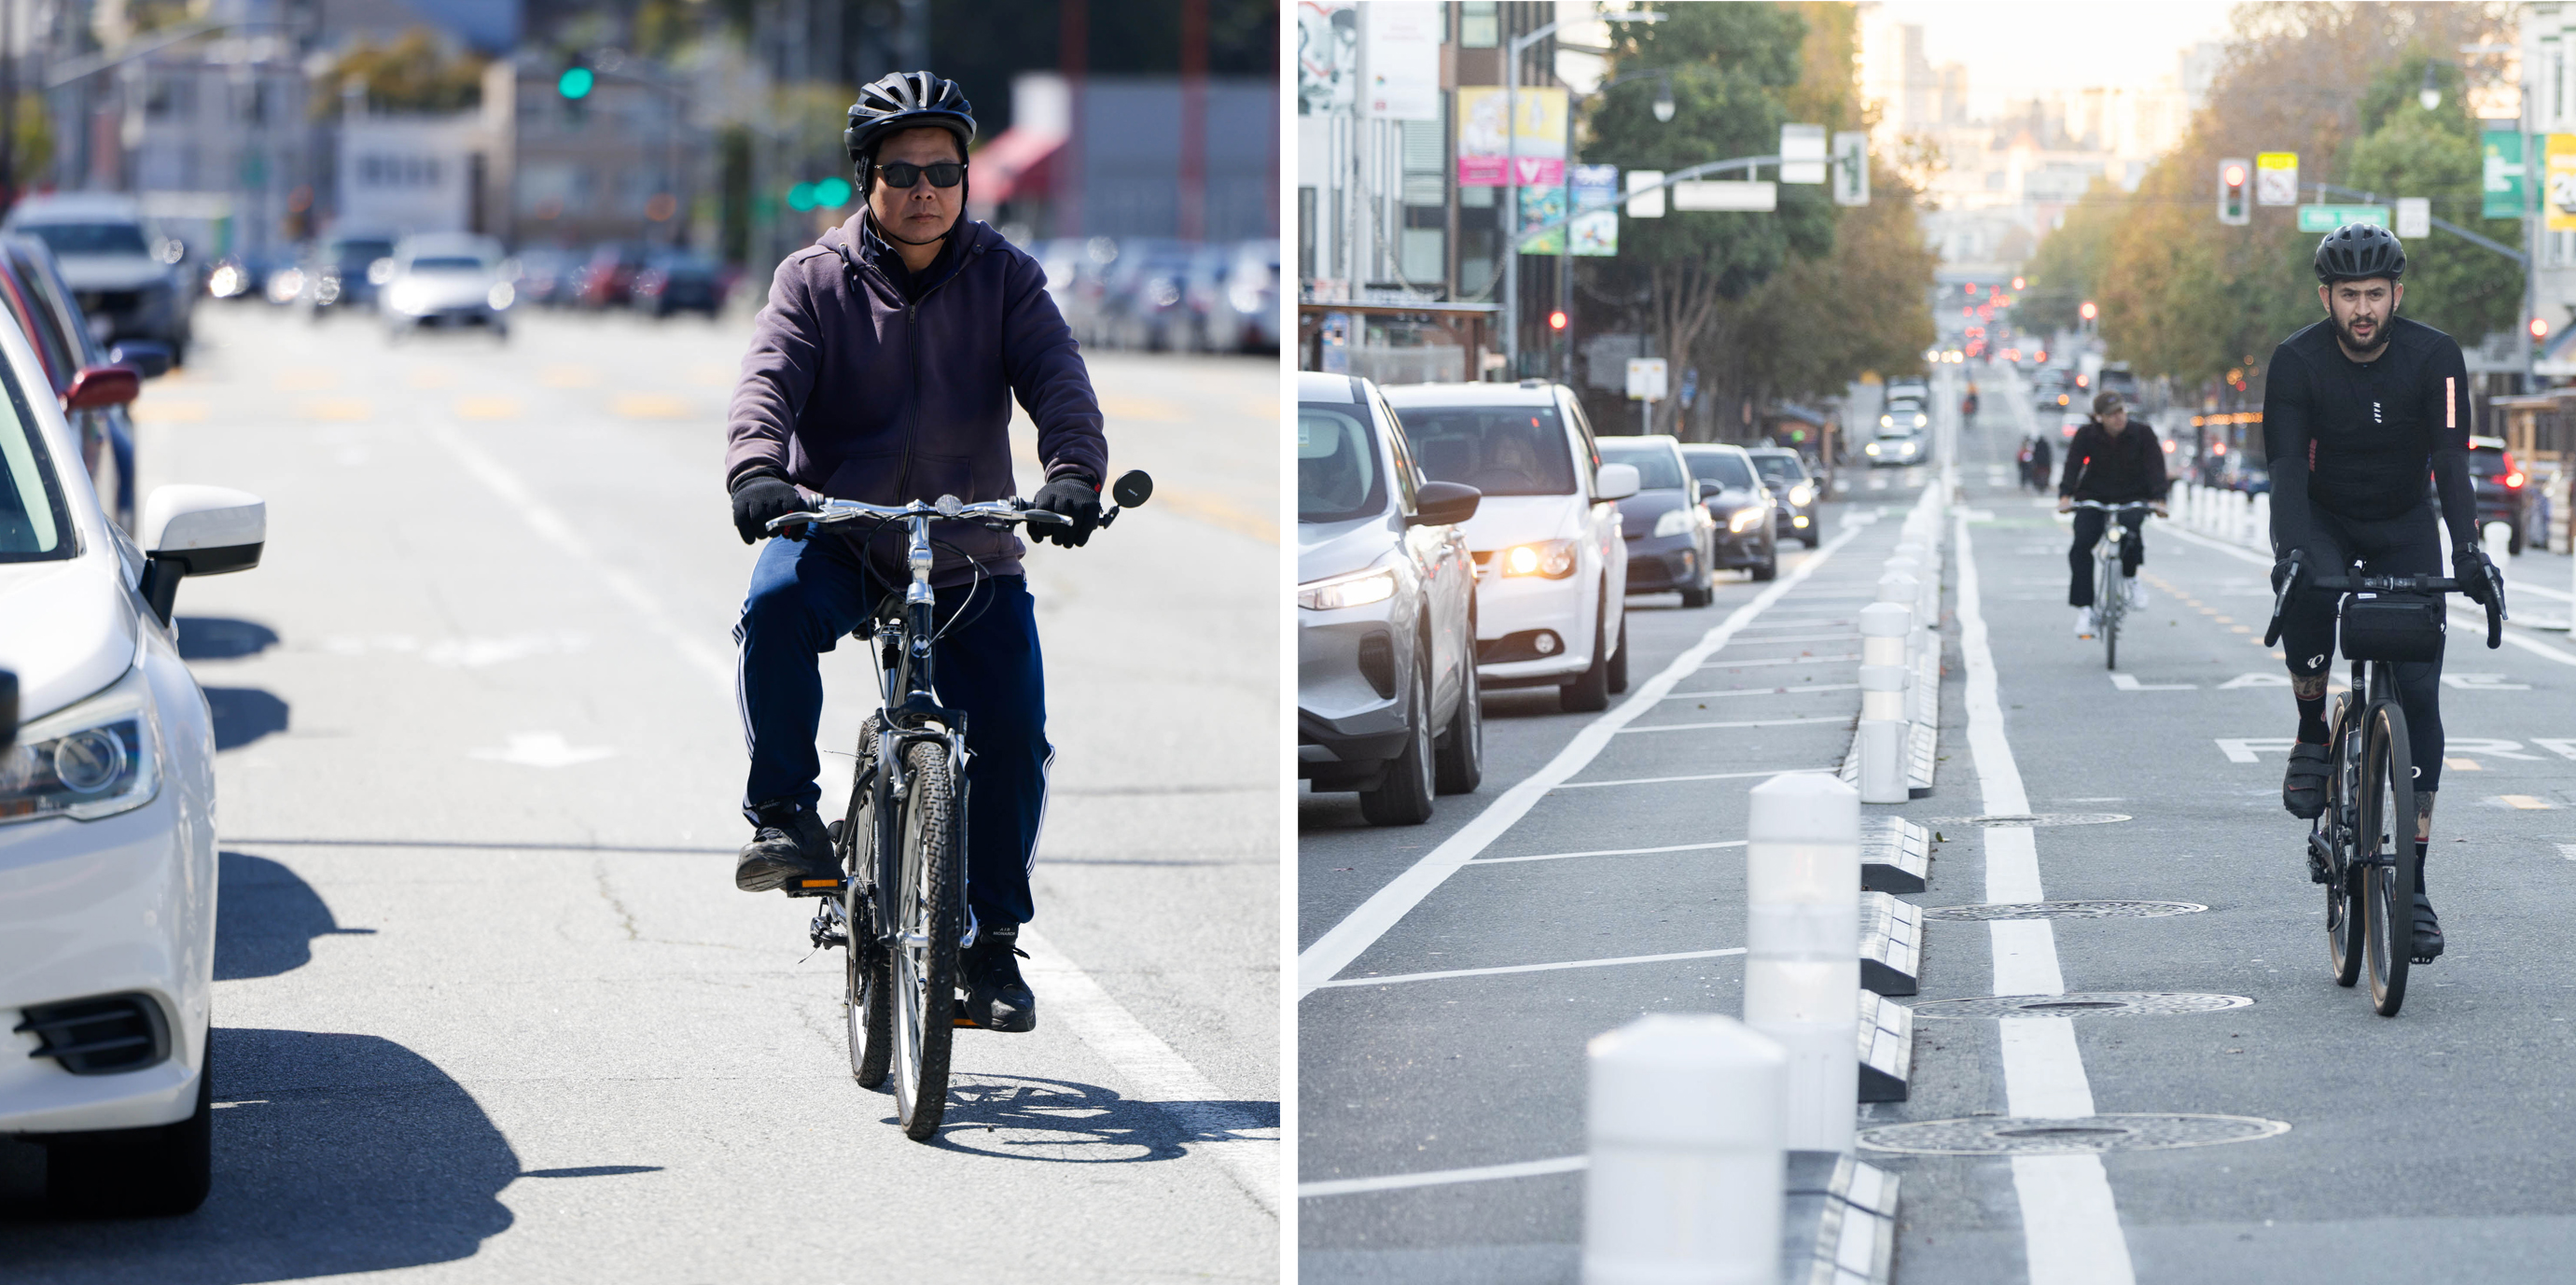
(1704, 591)
(1769, 567)
(2514, 545)
(159, 1171)
(1462, 753)
(1619, 658)
(1590, 689)
(1403, 795)
(1815, 535)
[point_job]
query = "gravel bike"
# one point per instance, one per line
(2110, 588)
(2360, 847)
(899, 908)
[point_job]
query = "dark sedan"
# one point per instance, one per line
(1741, 507)
(1669, 536)
(677, 281)
(1799, 497)
(2503, 490)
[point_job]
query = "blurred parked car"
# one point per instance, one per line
(1743, 507)
(1388, 702)
(1671, 541)
(1077, 271)
(1797, 494)
(82, 376)
(446, 279)
(545, 276)
(346, 271)
(1144, 295)
(677, 281)
(608, 279)
(2502, 489)
(243, 276)
(1252, 296)
(129, 278)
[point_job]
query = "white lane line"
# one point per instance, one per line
(1665, 780)
(2466, 612)
(1161, 1076)
(2070, 1225)
(1442, 1177)
(1624, 852)
(1394, 978)
(1779, 660)
(1765, 691)
(1343, 942)
(1758, 722)
(1799, 638)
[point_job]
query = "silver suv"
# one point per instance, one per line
(127, 275)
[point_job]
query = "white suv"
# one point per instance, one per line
(1551, 569)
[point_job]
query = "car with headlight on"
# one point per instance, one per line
(1740, 506)
(446, 279)
(1672, 542)
(107, 819)
(1897, 446)
(127, 275)
(1551, 568)
(1794, 491)
(1387, 698)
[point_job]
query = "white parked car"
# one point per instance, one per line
(107, 818)
(1551, 568)
(446, 279)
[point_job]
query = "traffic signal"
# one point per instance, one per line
(576, 81)
(2088, 311)
(2540, 327)
(1556, 320)
(2017, 283)
(2233, 174)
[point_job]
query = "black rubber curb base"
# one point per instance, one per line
(1886, 1049)
(1895, 855)
(1891, 944)
(1839, 1226)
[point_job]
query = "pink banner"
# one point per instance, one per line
(1491, 171)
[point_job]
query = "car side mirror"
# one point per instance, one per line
(146, 356)
(197, 531)
(99, 387)
(1444, 504)
(1615, 482)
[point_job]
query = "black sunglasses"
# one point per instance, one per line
(903, 175)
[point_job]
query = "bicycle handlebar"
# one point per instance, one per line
(2122, 507)
(996, 512)
(2494, 603)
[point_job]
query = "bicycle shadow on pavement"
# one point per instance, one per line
(266, 918)
(1023, 1117)
(334, 1153)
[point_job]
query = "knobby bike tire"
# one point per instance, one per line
(2388, 820)
(2344, 932)
(924, 955)
(867, 983)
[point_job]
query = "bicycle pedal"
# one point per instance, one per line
(814, 887)
(959, 1019)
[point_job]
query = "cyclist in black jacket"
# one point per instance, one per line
(2356, 410)
(2110, 461)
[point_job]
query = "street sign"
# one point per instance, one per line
(1851, 168)
(2558, 199)
(1726, 194)
(2501, 182)
(1646, 379)
(1647, 194)
(1802, 153)
(2326, 218)
(2276, 178)
(2414, 216)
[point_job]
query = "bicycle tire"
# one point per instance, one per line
(2344, 938)
(865, 981)
(2388, 802)
(2108, 605)
(924, 954)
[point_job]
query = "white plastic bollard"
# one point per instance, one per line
(1883, 629)
(1886, 668)
(1802, 939)
(1687, 1180)
(2258, 527)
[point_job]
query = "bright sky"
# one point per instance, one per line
(2014, 48)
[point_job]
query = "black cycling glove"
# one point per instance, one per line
(761, 497)
(1075, 499)
(2470, 567)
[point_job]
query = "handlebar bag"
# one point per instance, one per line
(2399, 627)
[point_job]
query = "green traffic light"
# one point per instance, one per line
(575, 83)
(800, 198)
(832, 193)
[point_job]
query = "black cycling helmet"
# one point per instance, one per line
(901, 101)
(2358, 252)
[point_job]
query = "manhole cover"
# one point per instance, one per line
(2025, 821)
(2066, 910)
(2087, 1004)
(2092, 1134)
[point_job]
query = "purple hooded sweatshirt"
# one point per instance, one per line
(851, 390)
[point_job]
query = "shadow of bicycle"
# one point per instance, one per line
(1023, 1117)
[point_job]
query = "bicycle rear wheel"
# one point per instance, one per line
(2344, 944)
(931, 902)
(864, 1001)
(2388, 841)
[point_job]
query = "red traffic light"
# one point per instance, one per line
(1972, 287)
(1556, 320)
(2089, 311)
(2236, 176)
(2540, 327)
(2017, 283)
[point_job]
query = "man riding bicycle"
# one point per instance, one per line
(883, 370)
(2357, 409)
(2110, 461)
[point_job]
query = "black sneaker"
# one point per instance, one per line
(996, 997)
(2428, 931)
(791, 845)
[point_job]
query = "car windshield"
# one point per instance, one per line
(1337, 474)
(1657, 470)
(358, 254)
(1781, 468)
(33, 525)
(449, 263)
(1499, 450)
(1725, 468)
(91, 238)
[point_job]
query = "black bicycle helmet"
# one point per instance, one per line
(901, 101)
(2358, 252)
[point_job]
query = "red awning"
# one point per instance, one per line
(1019, 162)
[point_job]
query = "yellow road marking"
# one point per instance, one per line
(339, 408)
(2239, 629)
(1150, 408)
(569, 376)
(649, 406)
(430, 377)
(157, 411)
(487, 408)
(1221, 513)
(2525, 802)
(307, 381)
(711, 376)
(2462, 765)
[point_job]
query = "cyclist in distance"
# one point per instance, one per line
(2357, 409)
(2111, 461)
(883, 370)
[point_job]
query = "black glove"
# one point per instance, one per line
(2470, 567)
(760, 497)
(1075, 499)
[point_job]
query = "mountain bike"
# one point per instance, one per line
(898, 909)
(2361, 847)
(2110, 588)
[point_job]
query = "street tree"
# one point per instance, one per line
(2461, 289)
(416, 72)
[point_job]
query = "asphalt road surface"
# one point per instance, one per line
(2432, 1146)
(488, 1005)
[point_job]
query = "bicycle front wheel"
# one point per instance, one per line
(2388, 840)
(2335, 830)
(865, 1000)
(931, 898)
(2108, 603)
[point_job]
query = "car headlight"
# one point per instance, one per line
(406, 297)
(500, 296)
(1887, 421)
(1922, 420)
(1745, 519)
(1802, 495)
(1553, 559)
(1906, 447)
(1871, 449)
(380, 272)
(98, 758)
(1673, 522)
(1358, 589)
